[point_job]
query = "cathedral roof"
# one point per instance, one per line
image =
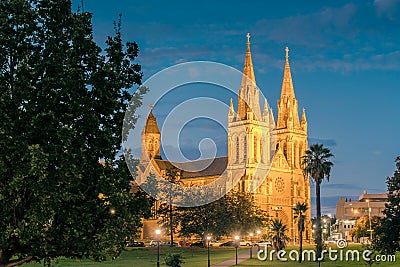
(216, 168)
(151, 124)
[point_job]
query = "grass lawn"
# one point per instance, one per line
(197, 257)
(143, 257)
(326, 263)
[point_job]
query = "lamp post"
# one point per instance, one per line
(251, 245)
(158, 232)
(236, 246)
(258, 235)
(208, 250)
(370, 224)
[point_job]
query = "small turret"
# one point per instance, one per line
(304, 120)
(271, 119)
(151, 138)
(266, 112)
(231, 114)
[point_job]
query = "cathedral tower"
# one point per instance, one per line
(151, 139)
(291, 133)
(249, 131)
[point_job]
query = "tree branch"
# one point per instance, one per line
(17, 262)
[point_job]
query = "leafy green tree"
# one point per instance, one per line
(278, 234)
(387, 236)
(167, 211)
(362, 226)
(317, 165)
(233, 213)
(299, 211)
(64, 189)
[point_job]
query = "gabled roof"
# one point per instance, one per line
(216, 168)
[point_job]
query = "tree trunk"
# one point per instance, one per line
(301, 246)
(301, 229)
(171, 227)
(318, 237)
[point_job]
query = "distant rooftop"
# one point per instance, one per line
(382, 197)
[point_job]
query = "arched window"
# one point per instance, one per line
(255, 148)
(244, 148)
(237, 150)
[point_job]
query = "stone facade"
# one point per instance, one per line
(258, 150)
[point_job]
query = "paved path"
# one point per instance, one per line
(242, 256)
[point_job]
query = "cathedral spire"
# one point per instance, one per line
(151, 123)
(287, 83)
(248, 70)
(287, 105)
(248, 102)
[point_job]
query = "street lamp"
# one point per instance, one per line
(158, 232)
(370, 225)
(258, 235)
(236, 245)
(251, 245)
(208, 248)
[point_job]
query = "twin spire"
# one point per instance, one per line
(287, 83)
(248, 70)
(249, 95)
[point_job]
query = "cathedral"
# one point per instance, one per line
(265, 155)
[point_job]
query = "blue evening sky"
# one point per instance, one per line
(345, 62)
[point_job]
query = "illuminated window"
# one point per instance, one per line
(237, 150)
(255, 148)
(245, 149)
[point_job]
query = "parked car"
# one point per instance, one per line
(198, 244)
(154, 243)
(215, 243)
(135, 244)
(245, 243)
(228, 244)
(263, 243)
(168, 244)
(184, 243)
(330, 242)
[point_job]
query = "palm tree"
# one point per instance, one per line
(277, 234)
(316, 165)
(299, 210)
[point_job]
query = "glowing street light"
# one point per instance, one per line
(158, 232)
(236, 246)
(369, 218)
(258, 235)
(251, 245)
(208, 248)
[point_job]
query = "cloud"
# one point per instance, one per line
(342, 186)
(309, 29)
(387, 8)
(354, 62)
(325, 142)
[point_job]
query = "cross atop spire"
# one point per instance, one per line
(151, 107)
(248, 37)
(287, 53)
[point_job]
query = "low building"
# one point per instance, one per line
(348, 212)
